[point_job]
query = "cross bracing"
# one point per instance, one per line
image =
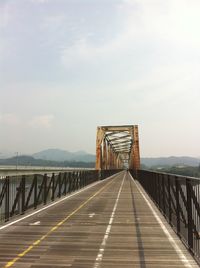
(117, 146)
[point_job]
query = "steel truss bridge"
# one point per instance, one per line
(117, 215)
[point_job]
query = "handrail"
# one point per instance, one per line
(21, 193)
(178, 199)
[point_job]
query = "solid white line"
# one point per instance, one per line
(55, 203)
(108, 229)
(180, 253)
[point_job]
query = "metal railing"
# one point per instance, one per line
(20, 193)
(178, 198)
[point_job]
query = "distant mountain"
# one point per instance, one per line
(58, 157)
(170, 161)
(62, 155)
(24, 160)
(4, 155)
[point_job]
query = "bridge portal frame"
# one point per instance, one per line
(117, 147)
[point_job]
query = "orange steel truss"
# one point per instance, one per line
(117, 147)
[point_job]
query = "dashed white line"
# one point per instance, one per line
(55, 203)
(35, 223)
(181, 255)
(108, 229)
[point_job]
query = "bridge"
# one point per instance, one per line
(117, 215)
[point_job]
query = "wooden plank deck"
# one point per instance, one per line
(112, 224)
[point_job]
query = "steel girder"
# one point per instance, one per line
(117, 147)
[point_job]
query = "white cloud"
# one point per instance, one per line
(148, 66)
(8, 13)
(53, 21)
(39, 1)
(42, 121)
(84, 51)
(9, 119)
(1, 50)
(171, 23)
(174, 21)
(80, 51)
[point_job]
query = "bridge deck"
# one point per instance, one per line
(108, 225)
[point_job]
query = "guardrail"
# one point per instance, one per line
(21, 193)
(178, 198)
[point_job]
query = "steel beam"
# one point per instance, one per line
(117, 145)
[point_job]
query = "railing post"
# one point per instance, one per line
(178, 227)
(59, 185)
(53, 187)
(160, 190)
(151, 181)
(45, 188)
(23, 192)
(77, 180)
(189, 213)
(164, 193)
(169, 199)
(65, 184)
(35, 191)
(70, 182)
(157, 189)
(7, 198)
(81, 179)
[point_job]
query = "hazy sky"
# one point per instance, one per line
(67, 66)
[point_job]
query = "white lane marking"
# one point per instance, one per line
(180, 253)
(105, 238)
(91, 215)
(35, 223)
(55, 203)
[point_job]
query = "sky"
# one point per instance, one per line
(68, 66)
